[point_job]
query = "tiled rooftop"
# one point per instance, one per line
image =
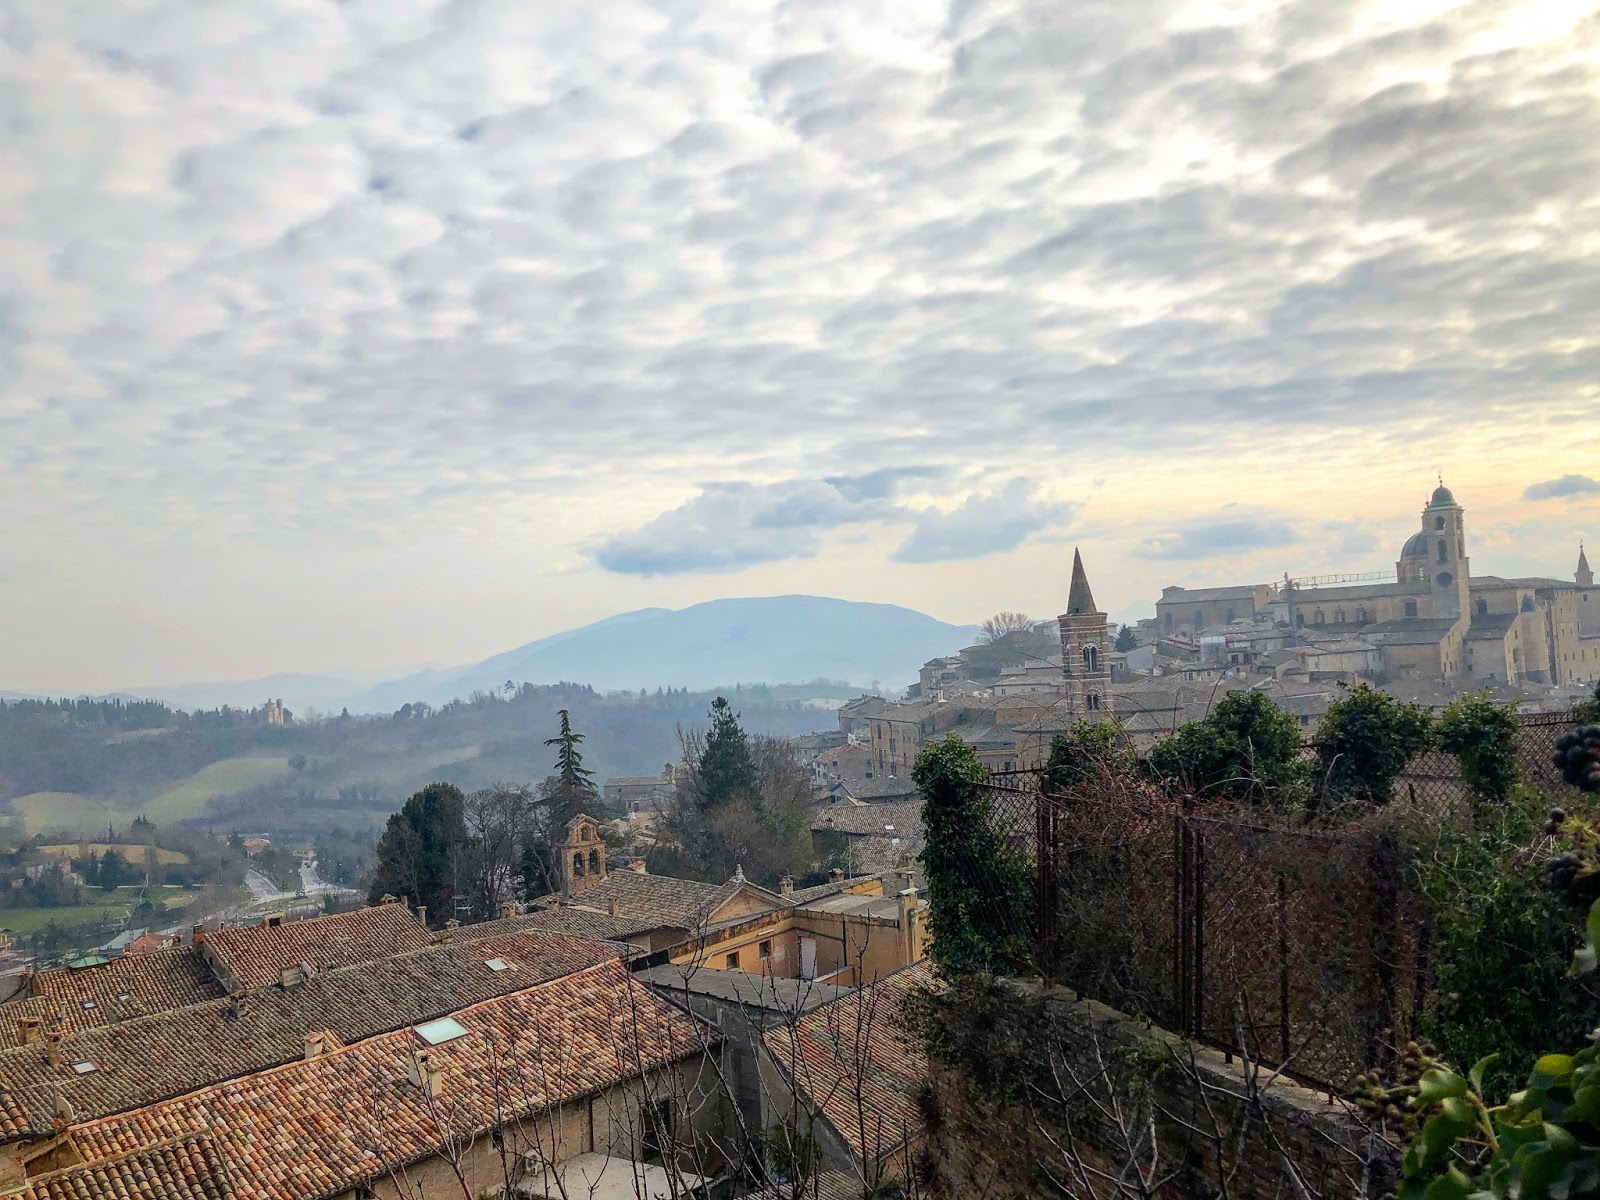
(119, 990)
(187, 1168)
(166, 1054)
(659, 900)
(307, 1130)
(869, 1096)
(253, 956)
(576, 922)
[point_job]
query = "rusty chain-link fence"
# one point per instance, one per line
(1301, 945)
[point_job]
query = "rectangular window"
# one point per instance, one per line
(764, 950)
(733, 961)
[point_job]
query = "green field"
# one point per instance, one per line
(44, 811)
(189, 798)
(31, 920)
(74, 813)
(130, 851)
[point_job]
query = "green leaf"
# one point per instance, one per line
(1452, 1185)
(1551, 1071)
(1439, 1085)
(1478, 1068)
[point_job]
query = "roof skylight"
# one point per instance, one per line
(445, 1029)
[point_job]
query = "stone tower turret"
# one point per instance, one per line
(1085, 650)
(1583, 576)
(582, 857)
(1448, 570)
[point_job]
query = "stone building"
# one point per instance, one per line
(1085, 650)
(1435, 621)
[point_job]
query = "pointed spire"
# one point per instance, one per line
(1584, 576)
(1080, 600)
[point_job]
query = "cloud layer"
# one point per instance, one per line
(312, 279)
(1565, 488)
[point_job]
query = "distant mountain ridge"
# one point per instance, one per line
(757, 639)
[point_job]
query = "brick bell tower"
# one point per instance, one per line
(1085, 650)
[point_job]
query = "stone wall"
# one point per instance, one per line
(1034, 1092)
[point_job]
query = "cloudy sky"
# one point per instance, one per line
(372, 333)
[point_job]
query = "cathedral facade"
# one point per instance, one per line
(1435, 621)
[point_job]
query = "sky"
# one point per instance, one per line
(349, 335)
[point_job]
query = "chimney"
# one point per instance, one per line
(836, 875)
(290, 978)
(199, 935)
(29, 1031)
(237, 1008)
(316, 1045)
(786, 886)
(637, 866)
(422, 915)
(424, 1076)
(616, 907)
(275, 920)
(908, 925)
(448, 933)
(507, 910)
(52, 1042)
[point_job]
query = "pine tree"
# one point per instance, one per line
(420, 852)
(1126, 640)
(575, 791)
(726, 771)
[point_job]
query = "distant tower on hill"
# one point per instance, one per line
(1085, 650)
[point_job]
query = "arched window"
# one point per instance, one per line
(1444, 550)
(1338, 617)
(1319, 619)
(1093, 700)
(1230, 616)
(1361, 616)
(1411, 608)
(1091, 660)
(1299, 620)
(577, 863)
(1169, 622)
(1483, 608)
(594, 862)
(1438, 522)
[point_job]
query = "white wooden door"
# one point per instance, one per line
(808, 958)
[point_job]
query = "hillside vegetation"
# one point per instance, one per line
(78, 767)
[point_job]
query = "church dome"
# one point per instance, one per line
(1416, 546)
(1441, 497)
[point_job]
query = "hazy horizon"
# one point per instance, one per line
(345, 337)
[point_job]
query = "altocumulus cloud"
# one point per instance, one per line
(1204, 540)
(1564, 488)
(990, 523)
(733, 525)
(419, 234)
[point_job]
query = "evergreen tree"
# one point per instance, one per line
(978, 883)
(421, 850)
(575, 791)
(1126, 640)
(725, 771)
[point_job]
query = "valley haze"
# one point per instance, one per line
(758, 639)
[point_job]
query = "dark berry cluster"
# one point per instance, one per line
(1578, 757)
(1388, 1094)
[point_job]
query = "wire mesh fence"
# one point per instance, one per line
(1302, 945)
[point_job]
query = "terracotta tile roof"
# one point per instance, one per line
(184, 1169)
(166, 1054)
(660, 901)
(858, 1063)
(308, 1129)
(121, 989)
(252, 957)
(576, 922)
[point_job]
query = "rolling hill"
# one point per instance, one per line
(766, 639)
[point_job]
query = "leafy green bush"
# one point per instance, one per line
(1365, 741)
(1483, 737)
(1246, 748)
